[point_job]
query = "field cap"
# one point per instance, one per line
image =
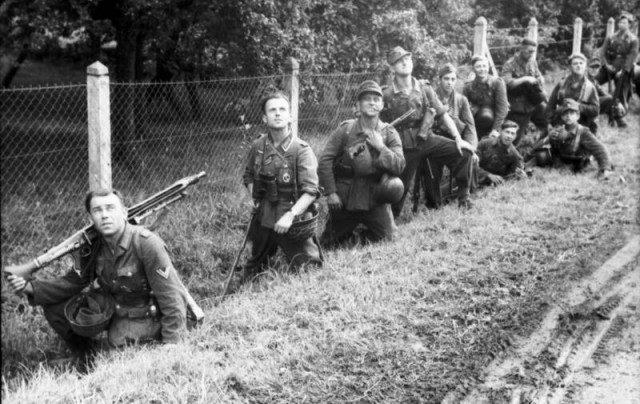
(570, 104)
(528, 41)
(626, 15)
(595, 62)
(446, 69)
(509, 124)
(578, 56)
(369, 86)
(396, 54)
(477, 58)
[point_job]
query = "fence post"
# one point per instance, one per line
(577, 35)
(480, 36)
(99, 115)
(611, 26)
(292, 84)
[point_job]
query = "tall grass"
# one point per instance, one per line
(401, 321)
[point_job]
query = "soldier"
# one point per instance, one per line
(525, 88)
(572, 143)
(281, 177)
(358, 170)
(577, 87)
(618, 55)
(488, 98)
(605, 99)
(418, 141)
(129, 263)
(457, 106)
(499, 159)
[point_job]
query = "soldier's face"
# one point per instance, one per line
(404, 66)
(508, 135)
(570, 117)
(623, 24)
(277, 114)
(481, 69)
(593, 70)
(108, 214)
(447, 82)
(370, 104)
(578, 66)
(526, 51)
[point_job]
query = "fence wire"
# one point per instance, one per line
(160, 133)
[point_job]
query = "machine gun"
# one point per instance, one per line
(86, 236)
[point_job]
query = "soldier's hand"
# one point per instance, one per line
(374, 140)
(18, 284)
(494, 134)
(284, 223)
(334, 202)
(466, 145)
(520, 173)
(604, 175)
(496, 179)
(475, 159)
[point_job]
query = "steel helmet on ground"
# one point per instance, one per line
(89, 313)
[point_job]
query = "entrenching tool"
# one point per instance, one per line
(235, 262)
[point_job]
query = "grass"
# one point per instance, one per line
(403, 321)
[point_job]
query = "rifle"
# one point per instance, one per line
(87, 235)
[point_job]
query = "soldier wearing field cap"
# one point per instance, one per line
(499, 159)
(577, 87)
(618, 56)
(418, 140)
(605, 99)
(572, 144)
(487, 96)
(359, 170)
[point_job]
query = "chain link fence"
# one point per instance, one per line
(160, 133)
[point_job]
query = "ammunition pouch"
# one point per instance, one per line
(148, 310)
(265, 188)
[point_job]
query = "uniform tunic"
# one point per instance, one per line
(515, 68)
(498, 159)
(460, 112)
(139, 268)
(490, 93)
(577, 145)
(620, 50)
(580, 89)
(337, 175)
(293, 167)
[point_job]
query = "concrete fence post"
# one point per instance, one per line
(577, 36)
(99, 115)
(292, 84)
(611, 26)
(480, 36)
(532, 31)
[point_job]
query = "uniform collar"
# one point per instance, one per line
(441, 95)
(124, 243)
(285, 144)
(414, 85)
(358, 127)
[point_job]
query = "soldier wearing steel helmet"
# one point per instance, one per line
(359, 171)
(404, 93)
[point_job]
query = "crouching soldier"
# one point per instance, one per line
(140, 297)
(281, 176)
(572, 144)
(499, 159)
(358, 170)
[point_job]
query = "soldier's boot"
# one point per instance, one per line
(621, 123)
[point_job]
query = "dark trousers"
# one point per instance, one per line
(441, 152)
(379, 222)
(536, 116)
(265, 243)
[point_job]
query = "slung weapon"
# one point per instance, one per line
(88, 234)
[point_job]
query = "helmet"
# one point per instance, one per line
(89, 313)
(388, 190)
(543, 157)
(618, 110)
(304, 226)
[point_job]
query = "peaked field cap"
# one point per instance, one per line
(396, 54)
(570, 104)
(509, 124)
(529, 42)
(477, 58)
(368, 86)
(446, 69)
(578, 56)
(595, 61)
(626, 15)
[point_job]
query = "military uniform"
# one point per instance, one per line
(496, 158)
(580, 89)
(460, 112)
(575, 145)
(416, 145)
(279, 174)
(488, 97)
(527, 102)
(150, 298)
(339, 174)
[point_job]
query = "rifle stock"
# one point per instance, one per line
(88, 234)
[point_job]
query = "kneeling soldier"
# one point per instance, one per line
(499, 159)
(281, 176)
(358, 170)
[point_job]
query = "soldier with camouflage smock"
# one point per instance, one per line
(577, 87)
(487, 96)
(130, 264)
(281, 176)
(359, 171)
(618, 56)
(525, 88)
(418, 139)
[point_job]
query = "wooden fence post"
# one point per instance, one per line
(577, 36)
(611, 26)
(292, 84)
(98, 108)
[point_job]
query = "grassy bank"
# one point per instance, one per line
(402, 321)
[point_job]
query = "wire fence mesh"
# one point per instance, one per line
(161, 132)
